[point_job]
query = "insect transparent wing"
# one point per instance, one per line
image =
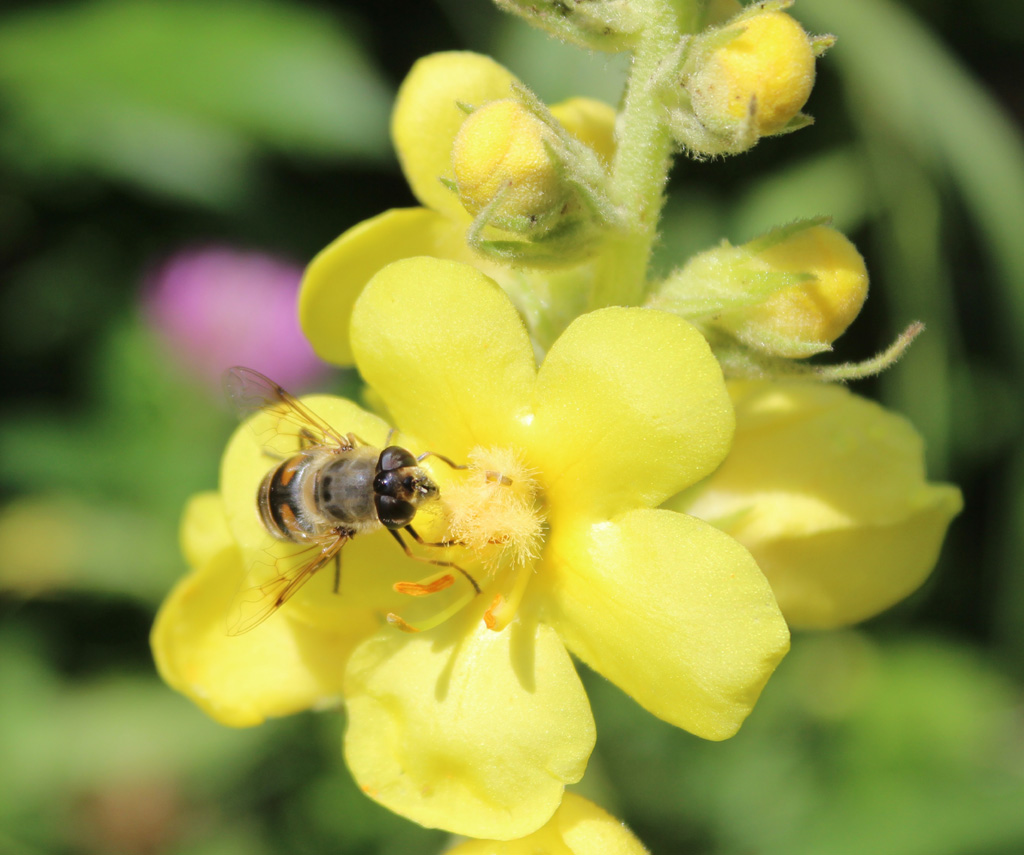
(285, 424)
(273, 580)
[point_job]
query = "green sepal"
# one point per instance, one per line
(821, 44)
(611, 26)
(729, 278)
(697, 298)
(798, 122)
(780, 234)
(739, 361)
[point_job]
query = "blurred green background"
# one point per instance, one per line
(133, 130)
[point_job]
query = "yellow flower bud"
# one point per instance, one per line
(816, 311)
(762, 76)
(789, 293)
(500, 149)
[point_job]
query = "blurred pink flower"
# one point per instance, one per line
(217, 307)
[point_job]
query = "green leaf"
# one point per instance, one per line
(179, 97)
(63, 738)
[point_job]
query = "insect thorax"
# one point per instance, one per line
(315, 493)
(344, 489)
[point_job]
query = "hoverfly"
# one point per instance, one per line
(321, 495)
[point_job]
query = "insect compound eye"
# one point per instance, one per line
(394, 457)
(392, 512)
(386, 483)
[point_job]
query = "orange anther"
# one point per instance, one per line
(489, 617)
(396, 621)
(417, 589)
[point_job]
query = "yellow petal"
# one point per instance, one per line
(446, 350)
(335, 278)
(588, 830)
(828, 492)
(836, 578)
(591, 122)
(672, 611)
(277, 669)
(204, 528)
(579, 827)
(467, 729)
(630, 407)
(427, 116)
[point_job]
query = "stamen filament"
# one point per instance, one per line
(436, 620)
(504, 608)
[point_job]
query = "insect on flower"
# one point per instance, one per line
(326, 488)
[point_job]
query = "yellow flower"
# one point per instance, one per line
(428, 116)
(579, 827)
(285, 665)
(828, 492)
(477, 724)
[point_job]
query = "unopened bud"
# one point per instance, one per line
(502, 155)
(814, 313)
(518, 170)
(790, 293)
(744, 80)
(762, 77)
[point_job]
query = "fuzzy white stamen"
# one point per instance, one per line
(495, 510)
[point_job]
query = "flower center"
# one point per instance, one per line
(493, 513)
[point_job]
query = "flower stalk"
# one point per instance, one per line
(642, 162)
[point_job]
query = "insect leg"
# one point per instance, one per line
(490, 474)
(447, 460)
(441, 543)
(435, 561)
(337, 572)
